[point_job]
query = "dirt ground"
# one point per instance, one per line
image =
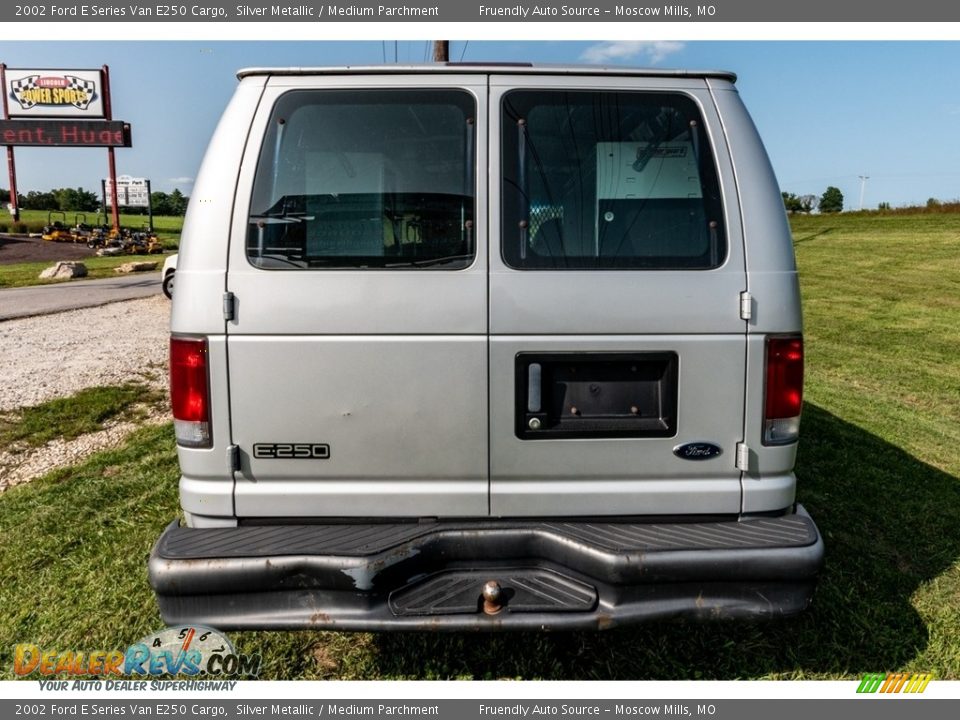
(19, 249)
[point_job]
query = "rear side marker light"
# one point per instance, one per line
(190, 391)
(783, 393)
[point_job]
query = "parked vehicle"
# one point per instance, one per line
(124, 241)
(167, 273)
(487, 348)
(56, 230)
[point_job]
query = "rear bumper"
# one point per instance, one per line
(553, 574)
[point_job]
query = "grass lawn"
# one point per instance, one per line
(36, 219)
(878, 469)
(23, 274)
(71, 417)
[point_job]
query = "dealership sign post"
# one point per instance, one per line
(60, 108)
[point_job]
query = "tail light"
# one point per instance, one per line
(784, 390)
(190, 391)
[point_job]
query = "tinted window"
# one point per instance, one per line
(608, 180)
(365, 179)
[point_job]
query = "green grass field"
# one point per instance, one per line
(24, 274)
(70, 417)
(878, 470)
(36, 219)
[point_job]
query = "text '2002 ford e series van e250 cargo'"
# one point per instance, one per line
(485, 347)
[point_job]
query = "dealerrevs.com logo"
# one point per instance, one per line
(189, 650)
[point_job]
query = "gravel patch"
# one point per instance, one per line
(56, 355)
(53, 356)
(21, 467)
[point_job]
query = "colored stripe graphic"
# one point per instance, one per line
(870, 683)
(894, 682)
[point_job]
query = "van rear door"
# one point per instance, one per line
(358, 273)
(617, 350)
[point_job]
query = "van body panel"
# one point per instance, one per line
(764, 219)
(525, 303)
(387, 366)
(765, 461)
(552, 497)
(768, 484)
(389, 436)
(202, 261)
(586, 312)
(206, 485)
(622, 475)
(775, 307)
(207, 497)
(347, 301)
(768, 494)
(629, 302)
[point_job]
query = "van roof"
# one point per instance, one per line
(492, 67)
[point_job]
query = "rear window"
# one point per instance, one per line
(608, 180)
(365, 179)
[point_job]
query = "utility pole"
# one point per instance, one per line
(863, 184)
(441, 50)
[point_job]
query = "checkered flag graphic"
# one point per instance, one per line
(19, 89)
(87, 86)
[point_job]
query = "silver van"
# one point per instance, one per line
(485, 347)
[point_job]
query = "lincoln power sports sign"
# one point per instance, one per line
(54, 93)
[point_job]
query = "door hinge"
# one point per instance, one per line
(746, 305)
(233, 458)
(743, 457)
(229, 306)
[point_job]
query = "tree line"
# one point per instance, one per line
(831, 201)
(80, 200)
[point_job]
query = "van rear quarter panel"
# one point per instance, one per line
(202, 263)
(206, 483)
(772, 280)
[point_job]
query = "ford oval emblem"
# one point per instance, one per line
(697, 451)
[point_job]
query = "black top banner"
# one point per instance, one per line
(486, 11)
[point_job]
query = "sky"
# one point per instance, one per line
(829, 112)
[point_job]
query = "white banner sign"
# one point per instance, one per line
(131, 192)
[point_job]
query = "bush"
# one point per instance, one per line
(831, 200)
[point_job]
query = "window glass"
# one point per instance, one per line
(365, 179)
(608, 180)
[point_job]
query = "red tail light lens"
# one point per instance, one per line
(190, 391)
(784, 390)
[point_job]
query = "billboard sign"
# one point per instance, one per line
(65, 133)
(54, 93)
(131, 191)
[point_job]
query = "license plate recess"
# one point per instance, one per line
(596, 395)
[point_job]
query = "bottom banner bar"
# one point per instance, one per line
(879, 708)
